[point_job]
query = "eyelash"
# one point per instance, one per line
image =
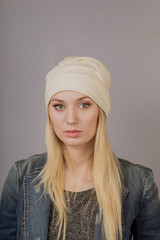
(84, 105)
(56, 106)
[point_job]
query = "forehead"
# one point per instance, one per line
(66, 95)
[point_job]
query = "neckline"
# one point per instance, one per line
(87, 190)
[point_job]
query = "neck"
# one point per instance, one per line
(80, 155)
(79, 176)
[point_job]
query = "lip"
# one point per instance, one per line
(72, 133)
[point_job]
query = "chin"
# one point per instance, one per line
(72, 143)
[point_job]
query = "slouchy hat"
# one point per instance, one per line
(81, 74)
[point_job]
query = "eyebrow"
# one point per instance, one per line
(59, 100)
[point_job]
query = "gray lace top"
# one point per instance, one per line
(80, 217)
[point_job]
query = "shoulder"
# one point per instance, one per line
(136, 177)
(24, 168)
(129, 168)
(30, 165)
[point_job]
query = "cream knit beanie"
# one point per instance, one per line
(81, 74)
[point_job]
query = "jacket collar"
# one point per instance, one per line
(42, 161)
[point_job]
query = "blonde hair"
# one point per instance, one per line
(106, 173)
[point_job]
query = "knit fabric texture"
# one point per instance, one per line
(80, 217)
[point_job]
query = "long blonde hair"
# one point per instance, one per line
(106, 173)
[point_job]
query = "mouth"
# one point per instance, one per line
(72, 133)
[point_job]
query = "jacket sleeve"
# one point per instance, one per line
(8, 206)
(146, 225)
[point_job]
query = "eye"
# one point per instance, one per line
(84, 105)
(58, 107)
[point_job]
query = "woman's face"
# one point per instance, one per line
(74, 117)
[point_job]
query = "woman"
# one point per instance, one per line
(78, 189)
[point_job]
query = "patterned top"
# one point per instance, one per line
(80, 217)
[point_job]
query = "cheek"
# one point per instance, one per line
(92, 123)
(55, 121)
(56, 124)
(56, 127)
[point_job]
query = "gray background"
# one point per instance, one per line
(35, 35)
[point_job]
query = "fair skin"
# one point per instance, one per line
(74, 117)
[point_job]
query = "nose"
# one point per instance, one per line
(71, 116)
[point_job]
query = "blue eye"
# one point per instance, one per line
(84, 105)
(58, 106)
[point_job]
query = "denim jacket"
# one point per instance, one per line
(24, 209)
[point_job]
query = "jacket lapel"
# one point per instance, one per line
(98, 234)
(36, 209)
(125, 192)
